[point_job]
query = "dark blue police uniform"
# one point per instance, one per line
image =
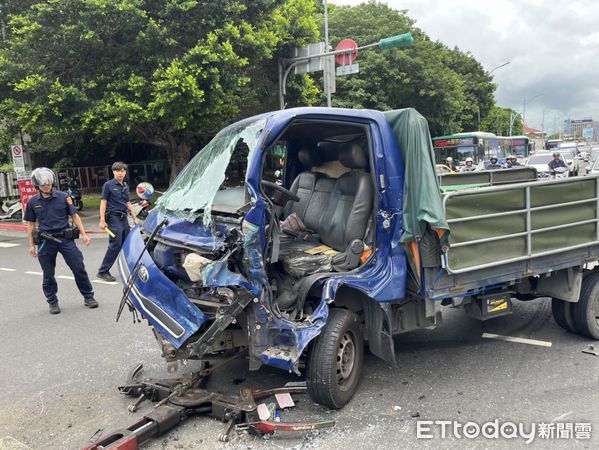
(117, 198)
(52, 216)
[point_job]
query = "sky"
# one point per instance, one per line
(552, 48)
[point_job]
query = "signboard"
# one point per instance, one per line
(18, 159)
(587, 134)
(452, 142)
(344, 59)
(26, 188)
(310, 65)
(348, 69)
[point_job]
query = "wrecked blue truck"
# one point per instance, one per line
(298, 235)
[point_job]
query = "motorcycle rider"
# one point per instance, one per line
(469, 167)
(51, 210)
(493, 164)
(114, 207)
(450, 164)
(556, 162)
(512, 161)
(581, 164)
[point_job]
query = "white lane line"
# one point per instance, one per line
(562, 416)
(105, 282)
(33, 273)
(65, 277)
(7, 269)
(517, 339)
(8, 245)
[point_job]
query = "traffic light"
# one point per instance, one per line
(401, 40)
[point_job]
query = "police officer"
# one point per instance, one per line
(114, 207)
(51, 210)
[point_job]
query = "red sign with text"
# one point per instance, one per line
(26, 191)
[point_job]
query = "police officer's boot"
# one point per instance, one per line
(54, 308)
(90, 302)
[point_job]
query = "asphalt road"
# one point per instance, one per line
(59, 374)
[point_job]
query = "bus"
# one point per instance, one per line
(520, 146)
(553, 144)
(480, 146)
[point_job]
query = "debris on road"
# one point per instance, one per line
(591, 349)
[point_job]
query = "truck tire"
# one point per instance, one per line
(586, 312)
(335, 360)
(562, 313)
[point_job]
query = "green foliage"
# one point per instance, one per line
(157, 71)
(447, 86)
(498, 121)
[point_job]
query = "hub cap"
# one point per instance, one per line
(346, 356)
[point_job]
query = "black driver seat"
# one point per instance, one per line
(343, 214)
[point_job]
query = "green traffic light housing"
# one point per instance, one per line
(401, 40)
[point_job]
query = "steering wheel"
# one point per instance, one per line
(286, 193)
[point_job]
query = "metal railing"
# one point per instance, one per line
(528, 211)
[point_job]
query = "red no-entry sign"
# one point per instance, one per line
(344, 59)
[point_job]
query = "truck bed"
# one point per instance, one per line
(504, 233)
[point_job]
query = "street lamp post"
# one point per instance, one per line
(524, 107)
(499, 66)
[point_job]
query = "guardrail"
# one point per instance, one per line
(503, 224)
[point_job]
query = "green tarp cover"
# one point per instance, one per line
(422, 203)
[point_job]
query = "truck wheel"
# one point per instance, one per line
(586, 312)
(562, 313)
(334, 363)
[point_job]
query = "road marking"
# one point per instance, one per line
(562, 416)
(105, 282)
(34, 273)
(517, 339)
(65, 277)
(10, 442)
(7, 269)
(8, 245)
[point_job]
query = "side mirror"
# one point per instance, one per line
(144, 190)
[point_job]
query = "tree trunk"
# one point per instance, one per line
(178, 156)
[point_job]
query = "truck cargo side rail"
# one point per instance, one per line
(499, 225)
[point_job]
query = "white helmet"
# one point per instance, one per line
(41, 176)
(469, 160)
(449, 158)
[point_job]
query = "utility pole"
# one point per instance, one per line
(327, 48)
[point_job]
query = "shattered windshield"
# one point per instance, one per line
(221, 165)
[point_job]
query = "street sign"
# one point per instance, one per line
(329, 74)
(18, 158)
(346, 58)
(348, 69)
(26, 188)
(311, 65)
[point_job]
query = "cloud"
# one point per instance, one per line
(553, 48)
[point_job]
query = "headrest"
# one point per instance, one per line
(308, 157)
(352, 155)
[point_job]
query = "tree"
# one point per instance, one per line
(164, 72)
(498, 121)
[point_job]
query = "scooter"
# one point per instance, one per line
(75, 194)
(11, 210)
(144, 191)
